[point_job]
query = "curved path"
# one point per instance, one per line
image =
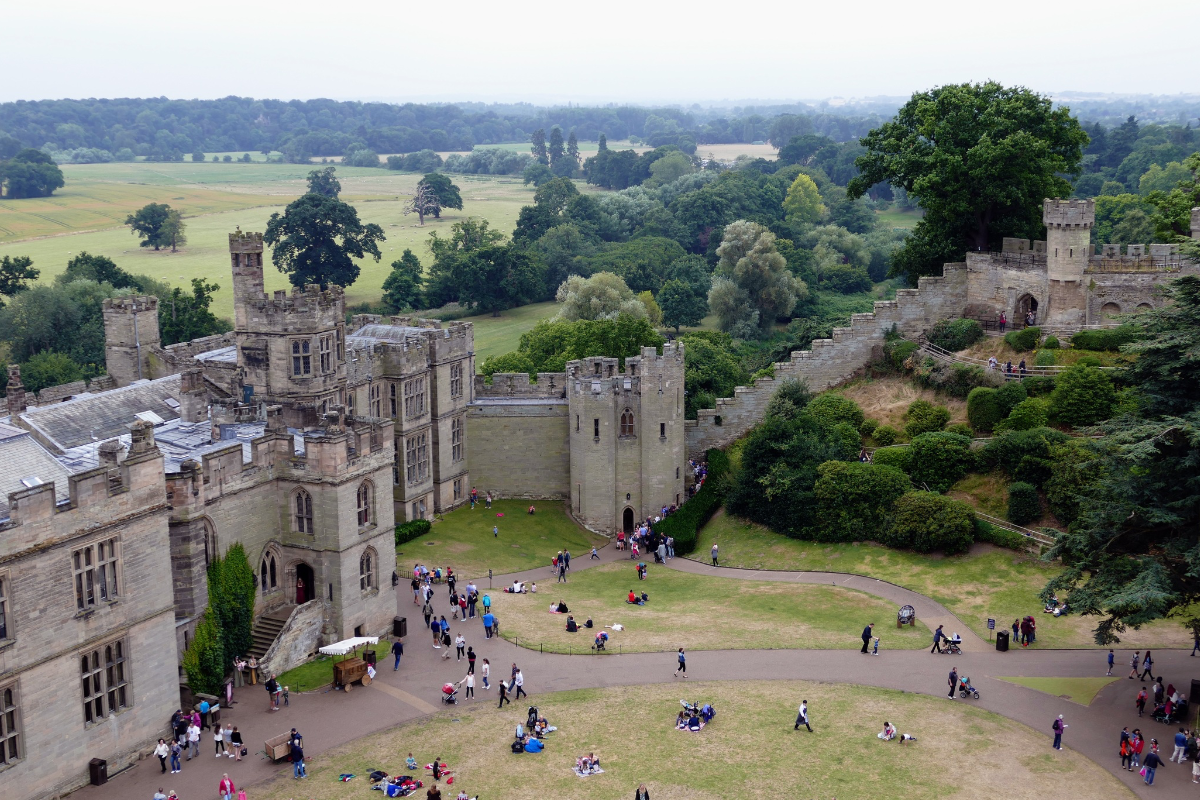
(329, 718)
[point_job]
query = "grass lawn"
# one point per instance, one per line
(319, 672)
(987, 582)
(899, 218)
(694, 612)
(498, 335)
(1077, 690)
(463, 539)
(748, 751)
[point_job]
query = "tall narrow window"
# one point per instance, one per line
(301, 357)
(596, 428)
(105, 682)
(458, 489)
(10, 730)
(364, 503)
(366, 570)
(414, 398)
(95, 568)
(304, 512)
(410, 459)
(392, 397)
(340, 345)
(373, 394)
(627, 422)
(456, 437)
(422, 456)
(3, 607)
(268, 573)
(326, 354)
(662, 430)
(456, 380)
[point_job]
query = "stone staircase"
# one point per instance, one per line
(267, 628)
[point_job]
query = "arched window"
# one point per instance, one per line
(365, 501)
(303, 511)
(210, 542)
(366, 570)
(627, 422)
(268, 571)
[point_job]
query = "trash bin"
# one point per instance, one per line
(98, 771)
(1194, 695)
(369, 657)
(400, 627)
(1002, 641)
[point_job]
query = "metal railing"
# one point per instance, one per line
(947, 357)
(1029, 533)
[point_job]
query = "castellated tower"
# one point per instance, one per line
(130, 335)
(628, 451)
(1196, 223)
(1068, 245)
(291, 348)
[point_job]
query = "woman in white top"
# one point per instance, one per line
(218, 740)
(470, 685)
(162, 751)
(487, 671)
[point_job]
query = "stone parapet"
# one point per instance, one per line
(1068, 213)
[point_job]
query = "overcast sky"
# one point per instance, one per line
(544, 52)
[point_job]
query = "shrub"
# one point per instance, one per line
(1044, 358)
(1106, 338)
(925, 522)
(897, 351)
(1083, 396)
(411, 530)
(940, 460)
(1027, 415)
(854, 499)
(1032, 469)
(1024, 339)
(1007, 450)
(833, 408)
(1088, 361)
(960, 379)
(1001, 537)
(789, 399)
(1024, 505)
(1038, 385)
(962, 429)
(983, 408)
(204, 660)
(924, 417)
(1051, 343)
(898, 457)
(1011, 393)
(1071, 471)
(693, 515)
(956, 334)
(885, 436)
(868, 427)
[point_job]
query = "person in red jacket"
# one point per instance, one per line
(225, 788)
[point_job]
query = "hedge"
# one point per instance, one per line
(1026, 415)
(833, 408)
(1007, 451)
(1083, 396)
(885, 435)
(685, 524)
(1106, 338)
(898, 457)
(1024, 339)
(940, 460)
(854, 500)
(1010, 394)
(1024, 506)
(956, 334)
(925, 522)
(924, 417)
(983, 408)
(1038, 385)
(1001, 537)
(411, 530)
(1051, 343)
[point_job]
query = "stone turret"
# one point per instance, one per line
(14, 396)
(130, 337)
(245, 253)
(1196, 223)
(1068, 246)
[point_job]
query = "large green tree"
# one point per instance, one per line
(322, 182)
(402, 287)
(1166, 370)
(16, 273)
(1172, 210)
(681, 305)
(540, 153)
(101, 269)
(449, 254)
(602, 296)
(444, 193)
(753, 286)
(148, 224)
(30, 173)
(183, 316)
(498, 277)
(318, 238)
(980, 158)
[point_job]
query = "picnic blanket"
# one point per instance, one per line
(592, 771)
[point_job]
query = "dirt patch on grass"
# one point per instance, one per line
(885, 400)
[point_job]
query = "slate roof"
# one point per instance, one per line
(104, 415)
(378, 332)
(22, 457)
(227, 355)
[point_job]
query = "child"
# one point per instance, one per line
(286, 693)
(411, 763)
(876, 651)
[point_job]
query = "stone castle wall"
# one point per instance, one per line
(520, 449)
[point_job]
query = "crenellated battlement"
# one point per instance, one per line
(1057, 212)
(518, 385)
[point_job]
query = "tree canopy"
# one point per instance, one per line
(402, 287)
(602, 296)
(29, 173)
(16, 273)
(151, 223)
(443, 193)
(980, 158)
(322, 182)
(317, 238)
(753, 286)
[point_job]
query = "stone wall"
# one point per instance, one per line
(519, 448)
(835, 360)
(299, 639)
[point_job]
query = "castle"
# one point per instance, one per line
(306, 440)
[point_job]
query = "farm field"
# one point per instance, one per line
(498, 335)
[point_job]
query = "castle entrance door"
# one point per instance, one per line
(305, 583)
(627, 521)
(1025, 304)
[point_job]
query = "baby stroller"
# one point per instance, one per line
(450, 694)
(965, 689)
(601, 640)
(953, 645)
(532, 718)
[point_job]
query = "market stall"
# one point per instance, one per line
(351, 669)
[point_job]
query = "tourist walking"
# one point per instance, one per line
(937, 640)
(714, 555)
(1126, 749)
(1147, 666)
(193, 741)
(1180, 750)
(866, 636)
(1110, 662)
(594, 553)
(1152, 762)
(470, 679)
(487, 673)
(503, 693)
(471, 660)
(235, 741)
(953, 681)
(225, 787)
(562, 572)
(162, 751)
(176, 752)
(435, 627)
(682, 668)
(460, 647)
(1059, 727)
(802, 717)
(1133, 665)
(519, 682)
(397, 651)
(1140, 702)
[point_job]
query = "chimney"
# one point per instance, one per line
(14, 397)
(109, 452)
(193, 396)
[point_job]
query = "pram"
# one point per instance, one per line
(953, 645)
(965, 689)
(706, 712)
(601, 640)
(450, 694)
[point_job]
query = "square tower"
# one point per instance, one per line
(1068, 246)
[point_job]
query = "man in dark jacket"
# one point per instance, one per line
(937, 639)
(866, 636)
(1152, 762)
(953, 681)
(397, 651)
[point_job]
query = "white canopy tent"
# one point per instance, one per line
(348, 645)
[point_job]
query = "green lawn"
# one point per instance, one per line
(748, 751)
(463, 539)
(498, 335)
(319, 672)
(696, 612)
(989, 582)
(898, 218)
(1077, 690)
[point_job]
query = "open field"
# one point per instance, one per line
(1077, 690)
(497, 335)
(987, 582)
(748, 751)
(463, 539)
(695, 613)
(900, 218)
(216, 198)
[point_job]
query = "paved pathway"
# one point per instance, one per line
(331, 718)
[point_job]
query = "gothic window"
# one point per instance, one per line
(105, 683)
(350, 402)
(456, 380)
(301, 357)
(366, 571)
(10, 729)
(95, 568)
(365, 501)
(326, 354)
(303, 511)
(269, 572)
(392, 397)
(458, 489)
(414, 398)
(627, 422)
(456, 439)
(340, 345)
(210, 542)
(373, 394)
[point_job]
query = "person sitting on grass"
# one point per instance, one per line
(532, 510)
(888, 733)
(410, 763)
(517, 588)
(681, 721)
(572, 626)
(633, 599)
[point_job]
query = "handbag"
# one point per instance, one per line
(1143, 772)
